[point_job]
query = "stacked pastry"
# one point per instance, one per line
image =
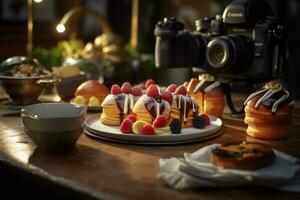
(208, 94)
(151, 105)
(269, 112)
(183, 107)
(117, 105)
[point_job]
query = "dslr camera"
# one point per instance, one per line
(246, 43)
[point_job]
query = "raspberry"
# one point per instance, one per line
(136, 91)
(171, 88)
(126, 88)
(149, 82)
(115, 89)
(126, 126)
(167, 96)
(160, 122)
(137, 126)
(152, 91)
(175, 126)
(181, 90)
(148, 130)
(131, 117)
(142, 86)
(198, 122)
(205, 119)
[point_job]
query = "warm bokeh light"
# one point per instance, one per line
(60, 28)
(37, 1)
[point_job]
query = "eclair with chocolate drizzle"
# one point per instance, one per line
(268, 112)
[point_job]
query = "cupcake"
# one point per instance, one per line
(269, 112)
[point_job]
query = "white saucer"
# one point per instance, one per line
(96, 128)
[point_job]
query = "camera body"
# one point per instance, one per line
(246, 43)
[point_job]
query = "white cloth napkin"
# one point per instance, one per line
(196, 171)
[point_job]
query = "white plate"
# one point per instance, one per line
(94, 126)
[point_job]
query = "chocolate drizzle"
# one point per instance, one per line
(185, 104)
(155, 105)
(272, 97)
(125, 104)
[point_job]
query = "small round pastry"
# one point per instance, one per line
(268, 112)
(92, 88)
(243, 156)
(208, 94)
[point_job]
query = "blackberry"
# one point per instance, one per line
(199, 122)
(175, 126)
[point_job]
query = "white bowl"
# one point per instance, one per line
(54, 127)
(53, 117)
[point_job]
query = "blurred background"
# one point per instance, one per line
(134, 59)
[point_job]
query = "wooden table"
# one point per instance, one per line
(103, 170)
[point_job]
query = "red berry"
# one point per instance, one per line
(149, 82)
(132, 117)
(160, 122)
(171, 88)
(148, 130)
(115, 89)
(205, 119)
(126, 126)
(126, 88)
(181, 90)
(136, 91)
(152, 91)
(167, 96)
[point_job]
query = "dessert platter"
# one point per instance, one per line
(150, 114)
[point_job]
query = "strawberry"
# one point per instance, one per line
(167, 96)
(136, 91)
(126, 126)
(171, 88)
(205, 119)
(131, 117)
(126, 88)
(160, 122)
(115, 89)
(181, 90)
(152, 91)
(148, 130)
(149, 82)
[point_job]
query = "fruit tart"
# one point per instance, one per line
(208, 93)
(269, 112)
(117, 105)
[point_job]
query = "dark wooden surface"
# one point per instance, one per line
(98, 169)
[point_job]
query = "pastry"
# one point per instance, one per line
(117, 105)
(183, 107)
(244, 156)
(208, 94)
(150, 105)
(269, 112)
(92, 88)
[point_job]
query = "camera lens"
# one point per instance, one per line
(230, 52)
